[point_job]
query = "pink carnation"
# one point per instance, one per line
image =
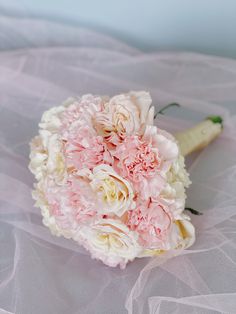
(81, 109)
(73, 204)
(84, 149)
(152, 222)
(137, 159)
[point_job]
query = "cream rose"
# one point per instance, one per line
(173, 195)
(114, 194)
(181, 236)
(38, 158)
(41, 201)
(46, 157)
(178, 172)
(51, 119)
(110, 241)
(124, 115)
(183, 233)
(174, 192)
(55, 163)
(165, 142)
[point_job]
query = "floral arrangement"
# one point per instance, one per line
(111, 180)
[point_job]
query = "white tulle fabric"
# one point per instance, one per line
(40, 273)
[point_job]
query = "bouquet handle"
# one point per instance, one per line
(199, 136)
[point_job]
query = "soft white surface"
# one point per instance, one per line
(43, 274)
(205, 26)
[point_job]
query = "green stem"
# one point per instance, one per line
(166, 107)
(193, 211)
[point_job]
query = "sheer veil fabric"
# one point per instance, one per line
(43, 63)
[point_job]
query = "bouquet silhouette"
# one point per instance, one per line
(111, 180)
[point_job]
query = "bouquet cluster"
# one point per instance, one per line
(111, 180)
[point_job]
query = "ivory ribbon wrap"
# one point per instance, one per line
(199, 136)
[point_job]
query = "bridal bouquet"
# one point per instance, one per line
(112, 181)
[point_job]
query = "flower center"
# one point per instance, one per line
(145, 163)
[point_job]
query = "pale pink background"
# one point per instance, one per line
(40, 273)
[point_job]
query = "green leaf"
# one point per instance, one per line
(193, 211)
(216, 119)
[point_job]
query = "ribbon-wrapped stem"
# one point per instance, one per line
(199, 136)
